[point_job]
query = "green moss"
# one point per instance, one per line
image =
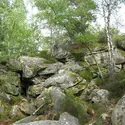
(16, 100)
(9, 83)
(6, 108)
(49, 59)
(86, 74)
(75, 106)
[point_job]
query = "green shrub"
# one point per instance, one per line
(86, 74)
(47, 56)
(75, 107)
(116, 85)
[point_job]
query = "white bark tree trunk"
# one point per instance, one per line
(107, 11)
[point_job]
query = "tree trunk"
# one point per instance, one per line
(107, 16)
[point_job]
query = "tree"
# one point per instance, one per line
(16, 36)
(72, 17)
(108, 7)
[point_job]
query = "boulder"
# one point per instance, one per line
(65, 119)
(72, 66)
(9, 83)
(45, 122)
(25, 120)
(88, 89)
(57, 99)
(60, 51)
(51, 69)
(69, 119)
(15, 112)
(31, 65)
(95, 95)
(37, 80)
(35, 90)
(119, 58)
(118, 114)
(102, 57)
(64, 79)
(27, 108)
(14, 64)
(99, 96)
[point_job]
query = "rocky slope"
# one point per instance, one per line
(40, 92)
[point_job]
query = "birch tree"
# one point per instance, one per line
(108, 8)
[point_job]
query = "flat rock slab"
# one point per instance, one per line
(65, 119)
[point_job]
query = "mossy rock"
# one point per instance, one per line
(75, 106)
(10, 83)
(4, 110)
(14, 64)
(47, 56)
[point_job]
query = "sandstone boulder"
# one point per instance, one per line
(118, 114)
(64, 79)
(65, 119)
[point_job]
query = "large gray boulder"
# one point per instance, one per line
(58, 97)
(37, 80)
(65, 119)
(99, 96)
(35, 90)
(68, 119)
(95, 95)
(101, 56)
(118, 114)
(31, 65)
(64, 79)
(60, 51)
(14, 64)
(72, 66)
(51, 69)
(26, 107)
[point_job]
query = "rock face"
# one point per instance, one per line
(64, 79)
(65, 119)
(102, 57)
(51, 69)
(95, 95)
(27, 108)
(49, 89)
(31, 65)
(60, 52)
(99, 96)
(35, 90)
(118, 114)
(72, 66)
(57, 98)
